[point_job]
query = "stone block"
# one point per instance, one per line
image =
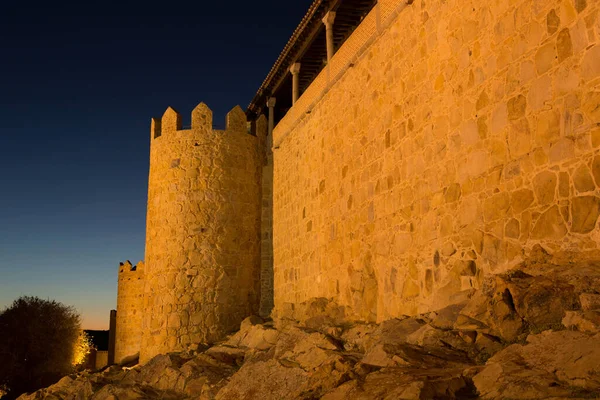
(563, 149)
(580, 5)
(496, 206)
(583, 179)
(550, 225)
(512, 229)
(590, 67)
(544, 185)
(564, 47)
(517, 107)
(590, 301)
(552, 22)
(596, 169)
(584, 211)
(591, 105)
(464, 268)
(519, 138)
(410, 289)
(545, 58)
(521, 200)
(563, 184)
(541, 93)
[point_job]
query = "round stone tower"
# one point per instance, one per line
(130, 295)
(203, 231)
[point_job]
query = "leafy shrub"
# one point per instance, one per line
(39, 343)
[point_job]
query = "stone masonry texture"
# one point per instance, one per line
(130, 294)
(203, 231)
(467, 133)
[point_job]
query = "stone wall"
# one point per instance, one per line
(203, 230)
(101, 359)
(130, 309)
(266, 229)
(465, 134)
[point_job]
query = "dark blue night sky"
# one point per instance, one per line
(77, 91)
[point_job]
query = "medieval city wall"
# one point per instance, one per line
(266, 224)
(203, 231)
(130, 292)
(464, 134)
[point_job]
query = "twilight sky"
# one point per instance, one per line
(77, 90)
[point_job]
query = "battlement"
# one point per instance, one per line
(126, 267)
(202, 121)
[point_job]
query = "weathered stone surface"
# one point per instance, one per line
(512, 229)
(563, 185)
(583, 179)
(452, 193)
(590, 301)
(552, 22)
(590, 103)
(396, 384)
(521, 200)
(517, 107)
(317, 312)
(516, 100)
(550, 225)
(537, 370)
(544, 58)
(544, 185)
(519, 138)
(584, 211)
(589, 66)
(548, 127)
(267, 380)
(596, 170)
(410, 289)
(539, 301)
(111, 392)
(564, 46)
(496, 206)
(253, 335)
(582, 321)
(580, 5)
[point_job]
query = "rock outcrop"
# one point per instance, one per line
(530, 333)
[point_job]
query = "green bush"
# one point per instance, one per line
(39, 342)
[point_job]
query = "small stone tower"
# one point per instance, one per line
(130, 294)
(202, 231)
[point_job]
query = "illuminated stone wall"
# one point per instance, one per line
(130, 309)
(101, 359)
(203, 231)
(468, 132)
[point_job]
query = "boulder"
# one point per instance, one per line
(392, 384)
(583, 321)
(266, 380)
(253, 335)
(318, 313)
(114, 392)
(550, 364)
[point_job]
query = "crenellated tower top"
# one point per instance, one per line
(202, 121)
(126, 267)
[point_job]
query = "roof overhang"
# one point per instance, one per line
(307, 46)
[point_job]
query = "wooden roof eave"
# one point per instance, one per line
(296, 48)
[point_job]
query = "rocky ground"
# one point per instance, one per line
(530, 333)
